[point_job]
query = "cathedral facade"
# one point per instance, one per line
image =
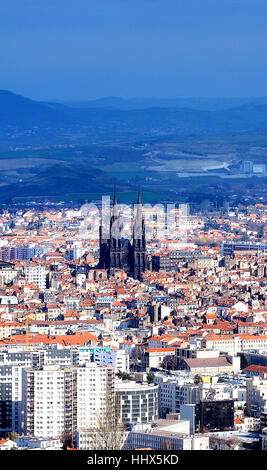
(117, 252)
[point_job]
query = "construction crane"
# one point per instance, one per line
(27, 333)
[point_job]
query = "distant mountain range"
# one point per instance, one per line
(79, 150)
(26, 122)
(203, 104)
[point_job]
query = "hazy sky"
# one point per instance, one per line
(83, 49)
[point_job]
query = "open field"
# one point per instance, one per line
(180, 165)
(16, 163)
(86, 172)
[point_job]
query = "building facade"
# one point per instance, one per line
(116, 252)
(136, 403)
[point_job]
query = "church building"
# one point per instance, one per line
(120, 253)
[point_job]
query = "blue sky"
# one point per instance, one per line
(84, 49)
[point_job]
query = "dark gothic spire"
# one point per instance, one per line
(115, 204)
(115, 196)
(139, 195)
(138, 222)
(139, 206)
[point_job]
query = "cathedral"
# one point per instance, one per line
(119, 253)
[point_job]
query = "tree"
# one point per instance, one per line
(244, 362)
(150, 377)
(109, 433)
(197, 379)
(66, 439)
(169, 362)
(167, 445)
(224, 443)
(13, 436)
(124, 375)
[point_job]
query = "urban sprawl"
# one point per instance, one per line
(133, 327)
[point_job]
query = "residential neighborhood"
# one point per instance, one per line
(175, 357)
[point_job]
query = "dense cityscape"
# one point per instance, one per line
(133, 328)
(133, 232)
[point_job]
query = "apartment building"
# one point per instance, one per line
(176, 392)
(119, 359)
(95, 395)
(167, 435)
(136, 403)
(236, 343)
(10, 399)
(37, 275)
(256, 396)
(50, 401)
(7, 272)
(59, 401)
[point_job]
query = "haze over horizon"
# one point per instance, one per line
(139, 98)
(167, 49)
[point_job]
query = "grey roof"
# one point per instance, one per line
(220, 361)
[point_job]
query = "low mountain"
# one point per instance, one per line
(25, 122)
(248, 117)
(60, 179)
(18, 111)
(201, 104)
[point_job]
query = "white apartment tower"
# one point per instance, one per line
(49, 401)
(59, 401)
(37, 275)
(95, 394)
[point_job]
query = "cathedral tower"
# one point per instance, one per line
(129, 255)
(139, 242)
